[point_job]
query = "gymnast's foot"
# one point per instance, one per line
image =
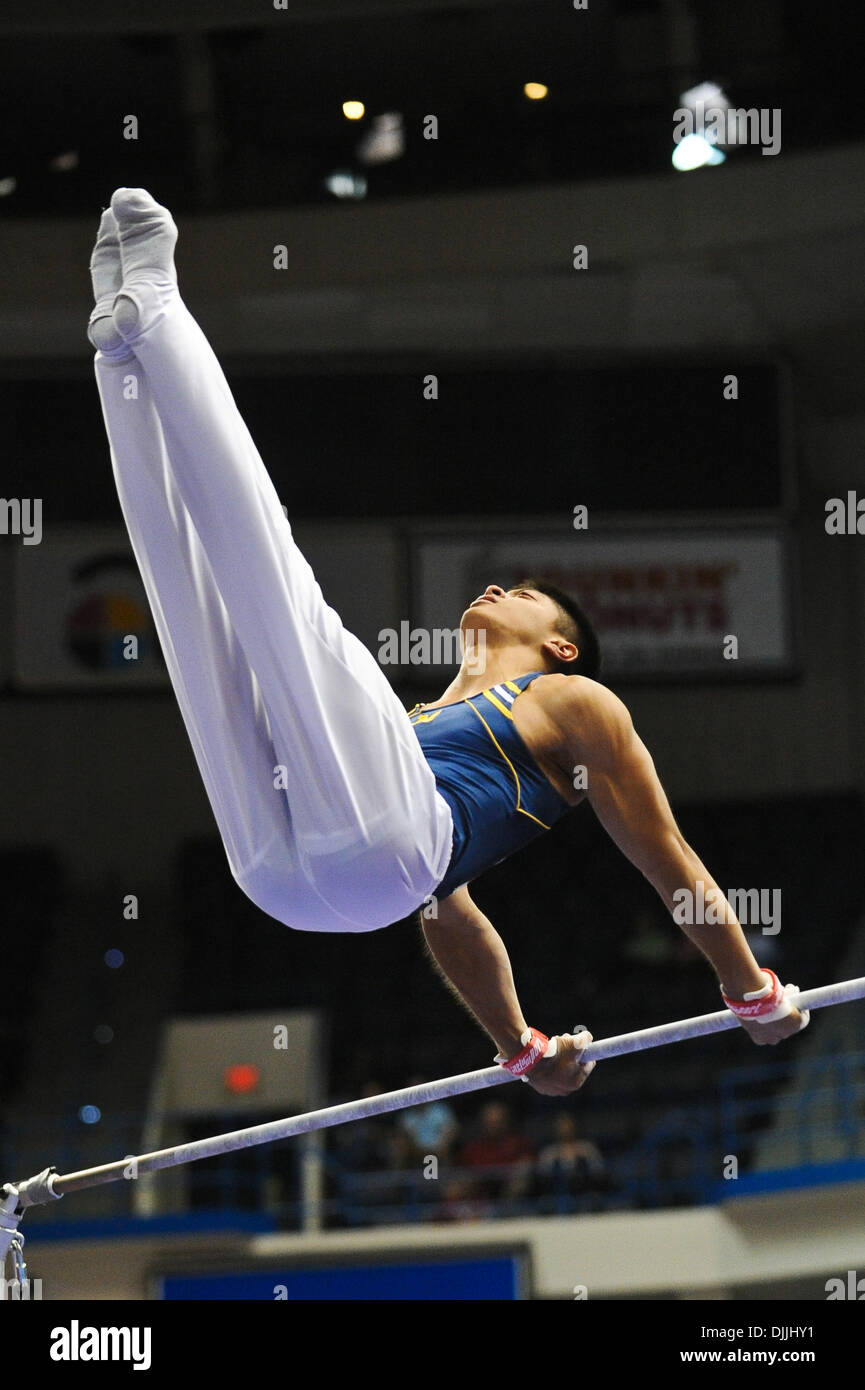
(106, 275)
(147, 235)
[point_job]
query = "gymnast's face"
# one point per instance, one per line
(514, 617)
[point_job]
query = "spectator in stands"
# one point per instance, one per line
(432, 1128)
(569, 1166)
(503, 1151)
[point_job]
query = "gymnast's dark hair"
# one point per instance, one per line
(575, 626)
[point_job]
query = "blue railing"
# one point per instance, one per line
(749, 1098)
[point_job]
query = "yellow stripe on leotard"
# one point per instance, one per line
(518, 807)
(494, 700)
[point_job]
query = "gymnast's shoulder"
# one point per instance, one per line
(580, 706)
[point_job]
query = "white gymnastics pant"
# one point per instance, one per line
(327, 808)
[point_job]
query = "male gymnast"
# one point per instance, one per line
(338, 812)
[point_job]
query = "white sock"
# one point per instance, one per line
(147, 235)
(106, 276)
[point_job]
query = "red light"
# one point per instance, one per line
(242, 1078)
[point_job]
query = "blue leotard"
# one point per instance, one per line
(500, 799)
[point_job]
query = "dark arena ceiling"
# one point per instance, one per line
(239, 104)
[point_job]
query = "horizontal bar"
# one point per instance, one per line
(60, 1185)
(820, 998)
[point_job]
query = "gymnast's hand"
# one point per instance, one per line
(563, 1072)
(768, 1034)
(774, 998)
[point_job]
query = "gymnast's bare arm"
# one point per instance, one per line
(626, 795)
(472, 957)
